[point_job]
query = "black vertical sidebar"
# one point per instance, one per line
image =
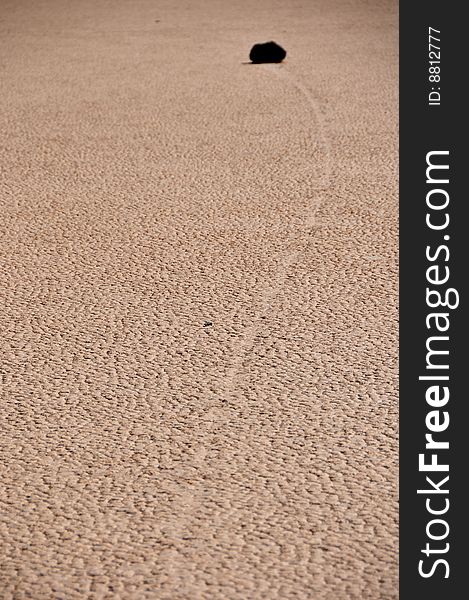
(434, 240)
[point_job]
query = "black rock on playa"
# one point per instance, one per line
(269, 52)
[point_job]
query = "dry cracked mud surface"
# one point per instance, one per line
(199, 290)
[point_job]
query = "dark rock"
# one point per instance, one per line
(270, 52)
(208, 323)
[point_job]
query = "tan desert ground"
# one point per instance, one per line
(199, 300)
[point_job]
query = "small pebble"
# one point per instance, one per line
(269, 52)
